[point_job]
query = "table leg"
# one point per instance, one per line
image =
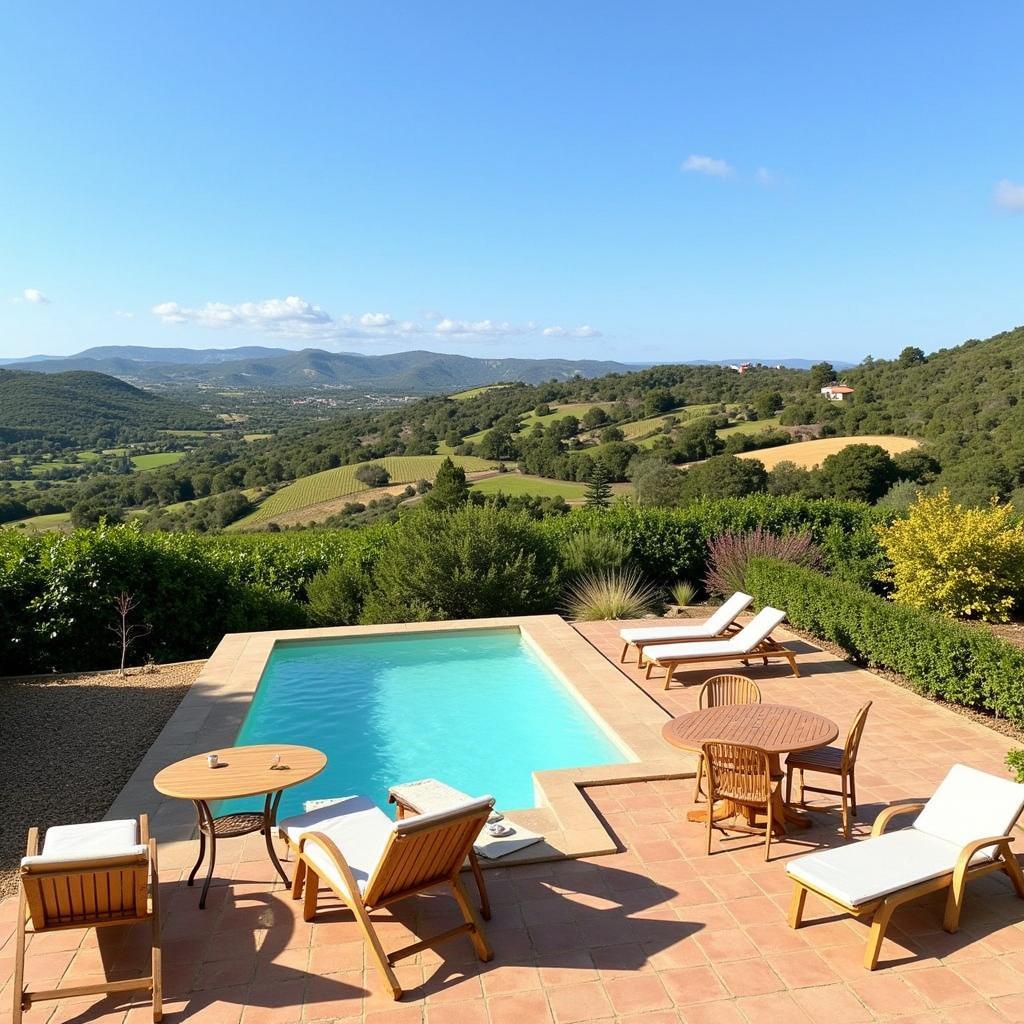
(207, 829)
(269, 824)
(202, 845)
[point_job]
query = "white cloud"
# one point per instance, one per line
(584, 331)
(769, 179)
(297, 319)
(36, 296)
(376, 320)
(1010, 196)
(708, 165)
(124, 314)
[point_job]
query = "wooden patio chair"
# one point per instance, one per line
(717, 692)
(963, 832)
(88, 876)
(721, 622)
(740, 775)
(753, 641)
(370, 861)
(840, 761)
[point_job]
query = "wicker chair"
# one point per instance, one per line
(841, 761)
(717, 692)
(742, 776)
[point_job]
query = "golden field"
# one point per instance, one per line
(809, 454)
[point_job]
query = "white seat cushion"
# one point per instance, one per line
(94, 840)
(428, 795)
(356, 825)
(709, 628)
(740, 643)
(866, 871)
(970, 805)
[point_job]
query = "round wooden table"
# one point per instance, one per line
(261, 770)
(776, 728)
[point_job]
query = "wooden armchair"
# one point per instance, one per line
(717, 692)
(88, 876)
(741, 776)
(840, 761)
(370, 861)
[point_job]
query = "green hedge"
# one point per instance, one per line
(944, 658)
(671, 543)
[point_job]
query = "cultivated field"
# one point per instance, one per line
(749, 426)
(538, 486)
(811, 453)
(461, 396)
(155, 460)
(337, 483)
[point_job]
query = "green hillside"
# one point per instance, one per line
(86, 406)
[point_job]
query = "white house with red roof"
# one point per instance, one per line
(836, 392)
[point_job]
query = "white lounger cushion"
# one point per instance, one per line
(710, 627)
(356, 825)
(361, 830)
(94, 840)
(970, 804)
(873, 868)
(740, 643)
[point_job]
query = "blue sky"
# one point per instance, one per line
(636, 181)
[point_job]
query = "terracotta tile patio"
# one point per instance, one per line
(656, 933)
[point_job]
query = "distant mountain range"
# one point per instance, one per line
(413, 372)
(258, 367)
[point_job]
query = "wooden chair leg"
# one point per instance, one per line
(18, 986)
(648, 670)
(298, 878)
(312, 891)
(1012, 867)
(768, 828)
(157, 949)
(380, 957)
(796, 905)
(954, 904)
(697, 791)
(803, 795)
(483, 950)
(478, 875)
(625, 651)
(853, 791)
(877, 935)
(789, 784)
(845, 809)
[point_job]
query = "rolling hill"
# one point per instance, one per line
(83, 405)
(415, 372)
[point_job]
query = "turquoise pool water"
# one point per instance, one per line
(475, 708)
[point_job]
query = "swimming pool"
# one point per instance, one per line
(476, 708)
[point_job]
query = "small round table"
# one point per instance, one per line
(241, 771)
(776, 728)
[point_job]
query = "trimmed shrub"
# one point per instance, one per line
(962, 561)
(952, 660)
(592, 551)
(475, 562)
(730, 554)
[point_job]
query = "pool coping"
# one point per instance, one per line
(212, 711)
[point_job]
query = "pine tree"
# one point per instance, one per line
(450, 489)
(599, 488)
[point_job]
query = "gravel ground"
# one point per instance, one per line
(70, 743)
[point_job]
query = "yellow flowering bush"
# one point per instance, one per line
(965, 562)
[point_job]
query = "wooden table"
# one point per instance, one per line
(776, 728)
(241, 772)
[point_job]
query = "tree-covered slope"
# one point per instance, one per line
(86, 406)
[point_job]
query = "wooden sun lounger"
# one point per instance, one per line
(753, 641)
(963, 832)
(370, 861)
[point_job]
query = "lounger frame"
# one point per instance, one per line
(881, 910)
(416, 859)
(767, 648)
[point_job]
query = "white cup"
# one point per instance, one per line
(212, 760)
